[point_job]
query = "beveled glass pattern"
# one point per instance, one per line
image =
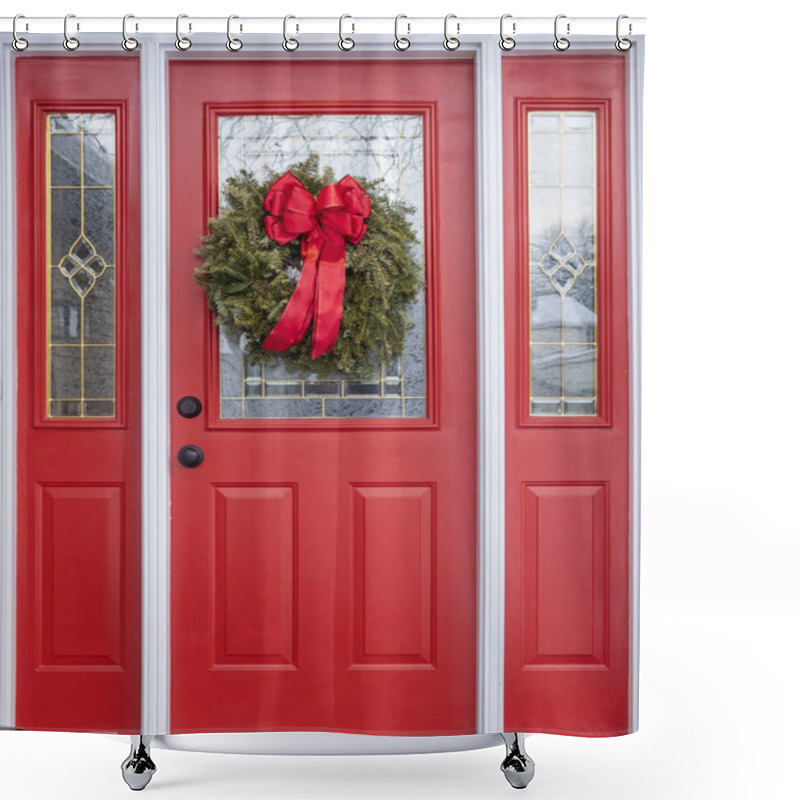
(562, 201)
(388, 147)
(81, 272)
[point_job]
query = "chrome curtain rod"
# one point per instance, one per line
(451, 28)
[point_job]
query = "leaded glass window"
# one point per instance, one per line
(81, 279)
(388, 147)
(562, 193)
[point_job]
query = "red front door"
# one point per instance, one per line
(323, 554)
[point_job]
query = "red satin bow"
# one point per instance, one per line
(325, 223)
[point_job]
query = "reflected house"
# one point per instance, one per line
(551, 317)
(563, 324)
(562, 187)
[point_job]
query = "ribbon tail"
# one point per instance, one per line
(329, 296)
(296, 317)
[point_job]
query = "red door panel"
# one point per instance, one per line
(567, 616)
(79, 460)
(323, 570)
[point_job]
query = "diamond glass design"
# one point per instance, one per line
(562, 201)
(562, 264)
(82, 266)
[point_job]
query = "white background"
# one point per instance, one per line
(720, 553)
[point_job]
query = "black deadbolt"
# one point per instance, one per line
(190, 455)
(189, 406)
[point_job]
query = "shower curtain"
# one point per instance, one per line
(326, 369)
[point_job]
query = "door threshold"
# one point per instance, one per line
(320, 743)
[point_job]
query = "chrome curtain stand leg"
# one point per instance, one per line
(138, 768)
(517, 766)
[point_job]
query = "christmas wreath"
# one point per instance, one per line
(250, 278)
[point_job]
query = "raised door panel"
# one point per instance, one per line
(80, 542)
(394, 554)
(255, 576)
(565, 574)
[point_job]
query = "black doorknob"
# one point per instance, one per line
(189, 406)
(190, 455)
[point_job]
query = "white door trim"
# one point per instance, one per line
(634, 155)
(155, 391)
(8, 393)
(491, 388)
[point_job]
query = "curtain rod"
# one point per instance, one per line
(347, 25)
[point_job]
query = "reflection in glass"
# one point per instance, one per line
(562, 195)
(81, 295)
(383, 147)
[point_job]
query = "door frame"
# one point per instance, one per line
(155, 54)
(8, 395)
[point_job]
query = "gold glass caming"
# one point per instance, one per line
(81, 274)
(562, 193)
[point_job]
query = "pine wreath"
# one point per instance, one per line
(249, 278)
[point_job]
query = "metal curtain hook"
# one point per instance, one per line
(18, 43)
(182, 42)
(70, 42)
(401, 42)
(289, 44)
(233, 44)
(451, 42)
(561, 43)
(507, 42)
(623, 44)
(128, 42)
(345, 42)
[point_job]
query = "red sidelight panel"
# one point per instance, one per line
(567, 440)
(323, 569)
(78, 654)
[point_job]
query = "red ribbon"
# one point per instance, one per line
(337, 215)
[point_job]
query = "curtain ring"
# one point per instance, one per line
(401, 42)
(233, 44)
(128, 42)
(451, 42)
(623, 45)
(182, 42)
(507, 42)
(345, 42)
(70, 42)
(18, 43)
(289, 44)
(561, 43)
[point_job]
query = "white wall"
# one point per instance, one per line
(720, 552)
